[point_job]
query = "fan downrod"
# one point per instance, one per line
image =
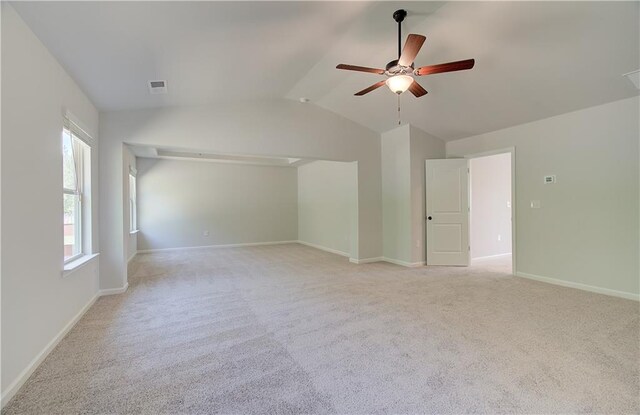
(399, 16)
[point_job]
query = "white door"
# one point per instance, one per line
(447, 208)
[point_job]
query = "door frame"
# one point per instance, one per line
(512, 151)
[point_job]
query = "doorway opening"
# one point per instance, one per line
(491, 210)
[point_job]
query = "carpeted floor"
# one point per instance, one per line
(290, 329)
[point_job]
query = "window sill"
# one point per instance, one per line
(134, 232)
(73, 266)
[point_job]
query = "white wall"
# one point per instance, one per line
(235, 203)
(271, 128)
(586, 231)
(490, 205)
(37, 302)
(328, 205)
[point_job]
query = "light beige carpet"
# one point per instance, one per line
(290, 329)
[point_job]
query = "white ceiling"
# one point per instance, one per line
(533, 59)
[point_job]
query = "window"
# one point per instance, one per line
(76, 156)
(133, 207)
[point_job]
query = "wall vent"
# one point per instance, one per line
(158, 87)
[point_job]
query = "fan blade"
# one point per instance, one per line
(417, 90)
(445, 67)
(360, 69)
(411, 48)
(371, 88)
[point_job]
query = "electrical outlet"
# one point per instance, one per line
(499, 237)
(535, 204)
(205, 233)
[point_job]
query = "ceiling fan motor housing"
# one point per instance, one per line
(393, 69)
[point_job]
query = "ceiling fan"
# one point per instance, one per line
(400, 72)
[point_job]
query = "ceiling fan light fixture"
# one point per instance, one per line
(400, 72)
(399, 83)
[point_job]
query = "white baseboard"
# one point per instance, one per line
(132, 257)
(366, 260)
(33, 365)
(492, 256)
(403, 263)
(389, 260)
(323, 248)
(579, 286)
(111, 291)
(184, 248)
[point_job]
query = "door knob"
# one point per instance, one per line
(429, 217)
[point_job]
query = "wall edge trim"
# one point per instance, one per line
(366, 260)
(404, 263)
(22, 378)
(184, 248)
(579, 286)
(491, 256)
(112, 291)
(324, 248)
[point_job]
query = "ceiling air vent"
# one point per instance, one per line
(158, 87)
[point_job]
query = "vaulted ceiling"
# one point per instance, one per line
(533, 59)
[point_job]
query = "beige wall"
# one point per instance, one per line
(37, 301)
(586, 231)
(490, 205)
(179, 200)
(328, 205)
